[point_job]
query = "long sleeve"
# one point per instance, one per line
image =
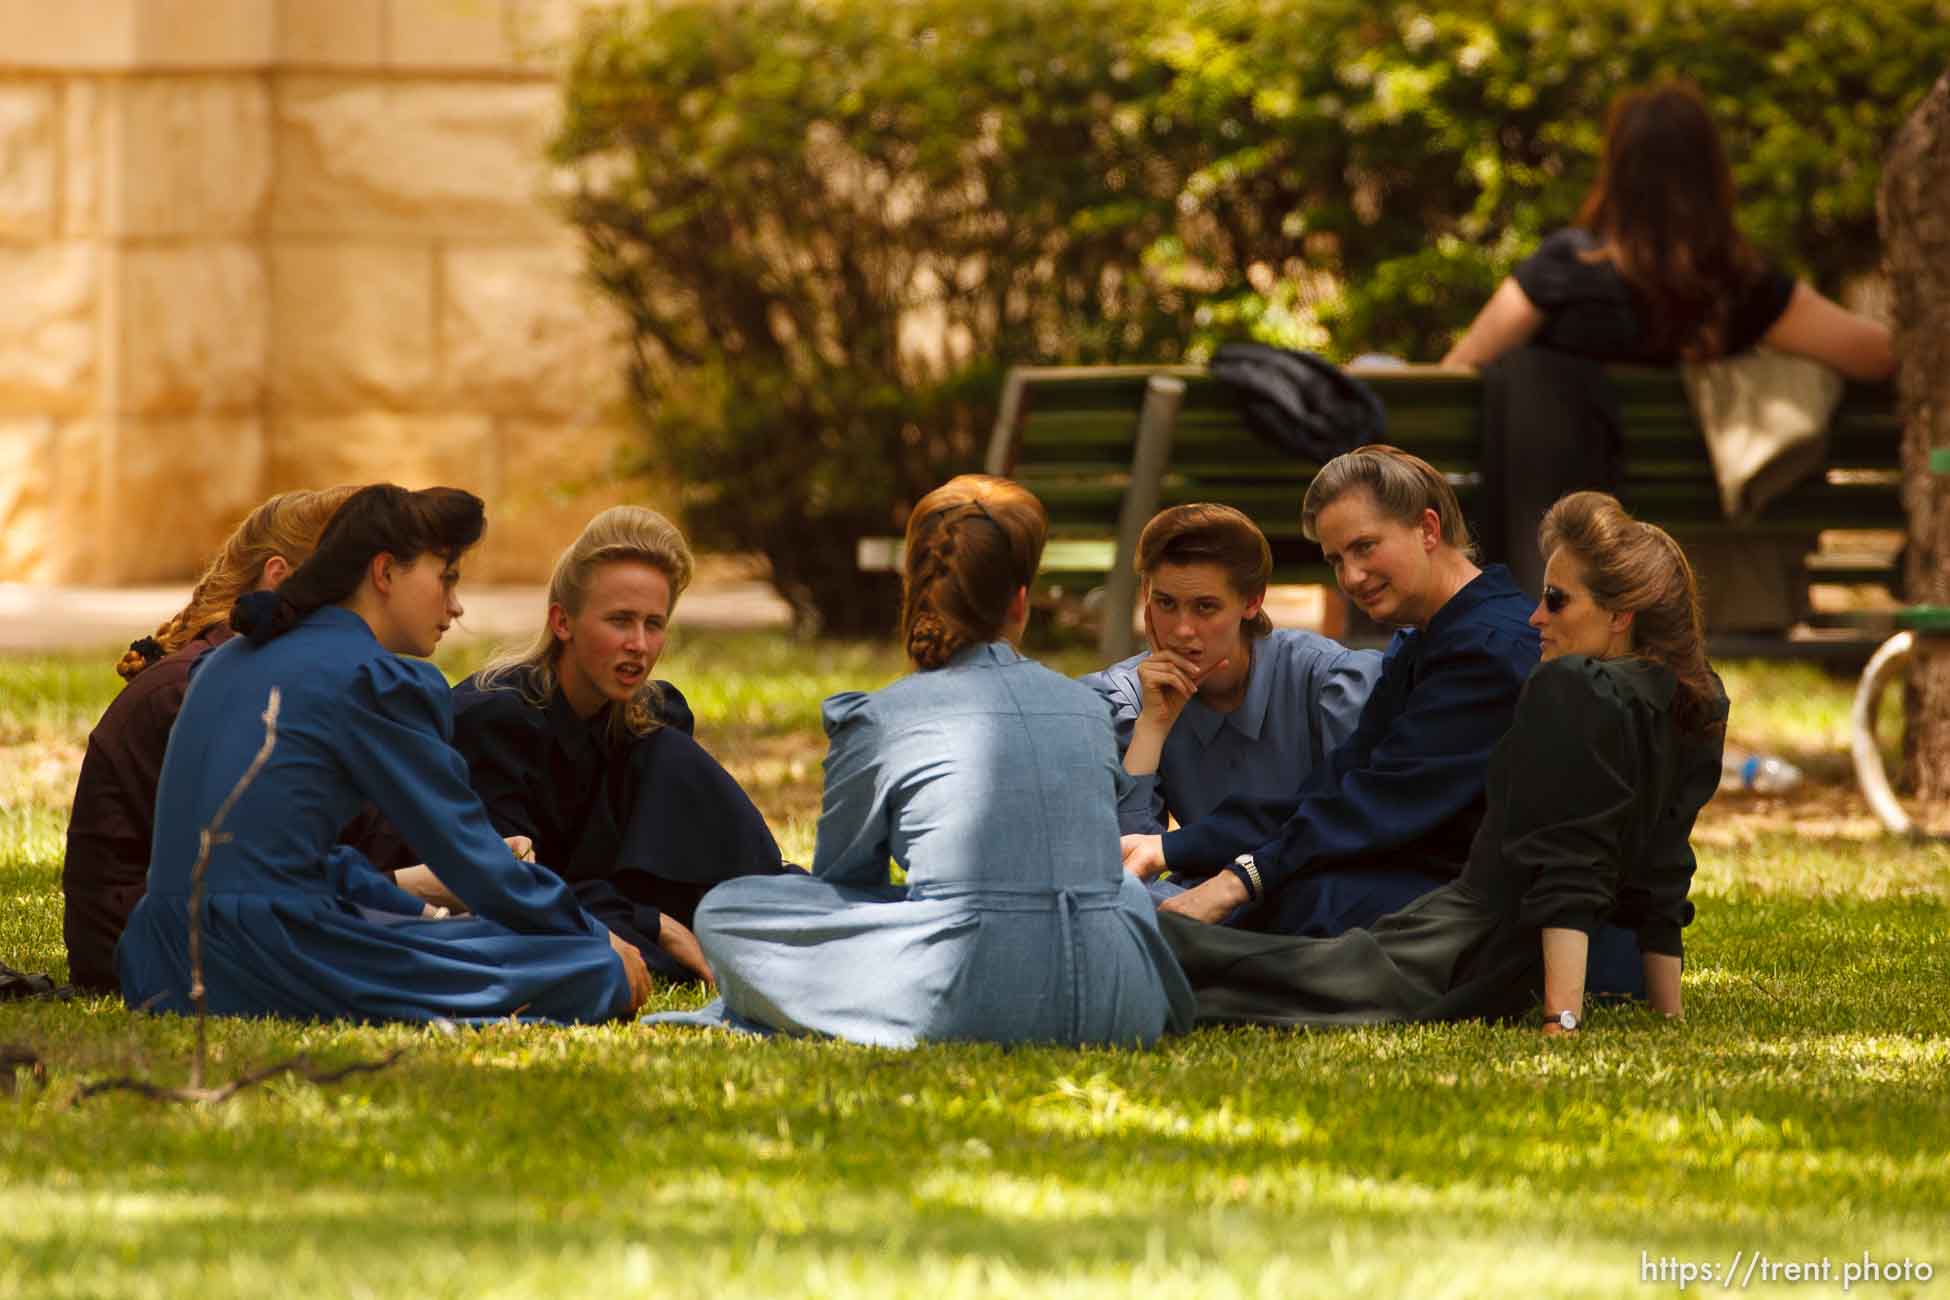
(502, 736)
(393, 735)
(1244, 823)
(1570, 796)
(1653, 897)
(114, 814)
(354, 878)
(852, 847)
(1140, 799)
(1341, 688)
(1379, 792)
(688, 820)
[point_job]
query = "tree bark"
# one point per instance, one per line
(1914, 207)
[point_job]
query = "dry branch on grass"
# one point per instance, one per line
(300, 1066)
(211, 836)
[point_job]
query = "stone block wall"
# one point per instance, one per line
(249, 245)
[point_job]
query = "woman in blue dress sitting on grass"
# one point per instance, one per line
(994, 783)
(1224, 705)
(295, 924)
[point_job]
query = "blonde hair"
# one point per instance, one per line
(619, 533)
(1402, 484)
(287, 525)
(972, 543)
(1206, 533)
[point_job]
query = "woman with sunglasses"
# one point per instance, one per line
(1591, 800)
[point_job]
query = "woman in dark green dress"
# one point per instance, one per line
(1591, 800)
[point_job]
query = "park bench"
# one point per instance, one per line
(1105, 447)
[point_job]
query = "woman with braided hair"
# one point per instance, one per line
(1591, 799)
(115, 797)
(993, 782)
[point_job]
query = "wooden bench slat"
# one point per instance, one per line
(1072, 435)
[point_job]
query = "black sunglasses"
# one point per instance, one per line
(1555, 599)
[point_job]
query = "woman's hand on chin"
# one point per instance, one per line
(1168, 682)
(1210, 902)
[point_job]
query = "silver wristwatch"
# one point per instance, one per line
(1249, 871)
(1565, 1020)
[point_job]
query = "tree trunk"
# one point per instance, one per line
(1915, 212)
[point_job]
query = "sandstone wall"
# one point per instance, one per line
(257, 244)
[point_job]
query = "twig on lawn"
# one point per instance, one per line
(212, 835)
(300, 1066)
(1762, 987)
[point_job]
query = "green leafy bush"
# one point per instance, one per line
(834, 223)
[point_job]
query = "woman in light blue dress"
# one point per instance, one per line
(295, 924)
(1225, 705)
(994, 783)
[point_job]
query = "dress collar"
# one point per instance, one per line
(985, 654)
(1250, 717)
(578, 736)
(1493, 582)
(342, 619)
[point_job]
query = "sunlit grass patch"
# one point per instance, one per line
(1803, 1106)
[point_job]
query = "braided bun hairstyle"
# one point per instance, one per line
(287, 525)
(972, 543)
(381, 517)
(1638, 568)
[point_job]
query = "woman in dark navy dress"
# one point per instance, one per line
(1591, 800)
(573, 744)
(114, 813)
(296, 924)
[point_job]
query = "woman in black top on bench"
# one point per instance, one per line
(1656, 272)
(1591, 798)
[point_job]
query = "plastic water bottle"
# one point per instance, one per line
(1760, 773)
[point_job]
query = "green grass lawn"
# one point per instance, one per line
(1802, 1111)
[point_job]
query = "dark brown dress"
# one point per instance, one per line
(107, 866)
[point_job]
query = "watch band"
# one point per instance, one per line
(1248, 871)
